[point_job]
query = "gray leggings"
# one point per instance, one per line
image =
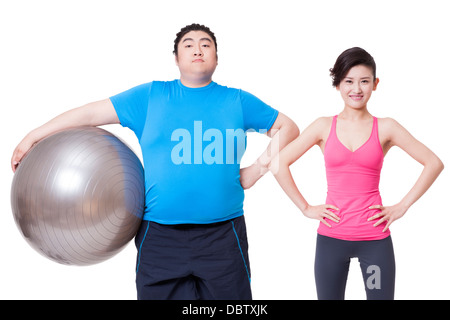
(332, 263)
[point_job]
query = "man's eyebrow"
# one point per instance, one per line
(190, 39)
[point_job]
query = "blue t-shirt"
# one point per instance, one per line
(192, 141)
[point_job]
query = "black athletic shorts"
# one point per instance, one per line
(193, 261)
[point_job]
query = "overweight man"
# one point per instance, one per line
(192, 243)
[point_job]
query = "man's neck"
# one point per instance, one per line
(195, 83)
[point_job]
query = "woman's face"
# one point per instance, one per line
(357, 86)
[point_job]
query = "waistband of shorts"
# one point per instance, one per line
(185, 226)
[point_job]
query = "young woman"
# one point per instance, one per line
(354, 222)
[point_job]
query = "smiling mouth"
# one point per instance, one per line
(356, 97)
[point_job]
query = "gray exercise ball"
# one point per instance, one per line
(78, 196)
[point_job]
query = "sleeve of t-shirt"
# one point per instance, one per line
(131, 107)
(257, 114)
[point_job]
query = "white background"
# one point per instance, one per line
(58, 55)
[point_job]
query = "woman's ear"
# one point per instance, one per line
(375, 84)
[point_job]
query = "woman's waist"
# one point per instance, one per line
(355, 183)
(350, 192)
(354, 204)
(353, 223)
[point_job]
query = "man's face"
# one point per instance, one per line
(197, 57)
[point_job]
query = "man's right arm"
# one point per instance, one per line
(92, 114)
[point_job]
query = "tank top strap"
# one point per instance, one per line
(375, 129)
(332, 137)
(333, 127)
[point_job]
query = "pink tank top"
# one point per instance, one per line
(353, 179)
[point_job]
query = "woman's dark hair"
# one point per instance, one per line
(189, 28)
(347, 60)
